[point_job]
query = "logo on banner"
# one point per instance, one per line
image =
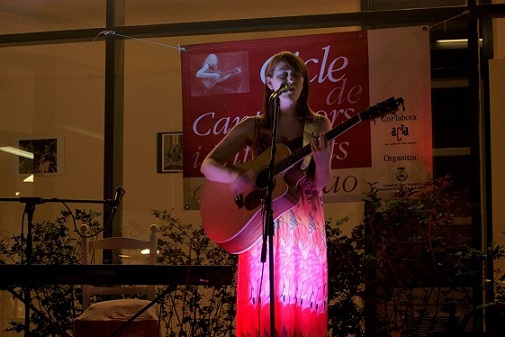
(401, 175)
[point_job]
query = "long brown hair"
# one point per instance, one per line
(302, 106)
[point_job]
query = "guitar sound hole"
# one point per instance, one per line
(262, 179)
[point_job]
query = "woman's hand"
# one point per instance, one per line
(243, 182)
(322, 153)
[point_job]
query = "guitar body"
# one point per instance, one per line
(237, 226)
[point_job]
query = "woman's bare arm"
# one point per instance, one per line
(213, 165)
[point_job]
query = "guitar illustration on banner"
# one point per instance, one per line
(210, 82)
(235, 222)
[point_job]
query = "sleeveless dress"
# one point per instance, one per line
(300, 269)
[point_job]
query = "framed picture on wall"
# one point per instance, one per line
(169, 152)
(40, 156)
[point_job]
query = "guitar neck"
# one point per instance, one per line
(389, 105)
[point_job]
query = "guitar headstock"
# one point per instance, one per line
(390, 105)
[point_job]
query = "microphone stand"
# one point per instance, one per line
(30, 203)
(268, 217)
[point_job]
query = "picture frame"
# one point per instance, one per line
(40, 156)
(170, 156)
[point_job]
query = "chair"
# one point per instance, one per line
(103, 319)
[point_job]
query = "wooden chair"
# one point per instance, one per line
(106, 317)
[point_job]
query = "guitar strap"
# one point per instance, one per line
(310, 130)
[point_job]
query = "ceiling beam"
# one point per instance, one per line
(389, 18)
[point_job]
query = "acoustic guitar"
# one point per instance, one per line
(235, 222)
(209, 83)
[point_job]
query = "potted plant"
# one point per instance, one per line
(402, 270)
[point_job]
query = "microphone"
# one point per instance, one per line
(282, 89)
(118, 195)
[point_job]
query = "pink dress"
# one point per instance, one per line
(300, 270)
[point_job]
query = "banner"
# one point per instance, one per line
(223, 83)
